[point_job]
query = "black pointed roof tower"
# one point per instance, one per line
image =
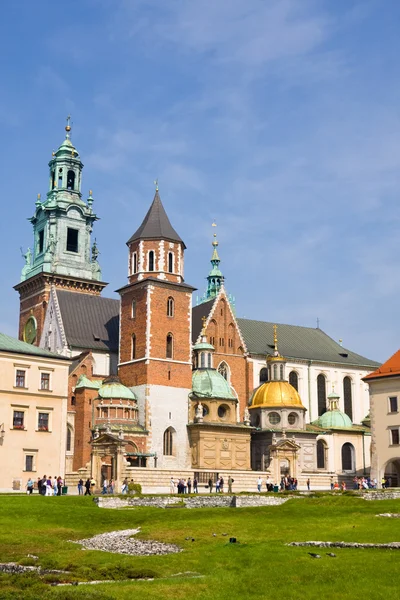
(156, 225)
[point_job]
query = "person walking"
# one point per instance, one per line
(112, 486)
(80, 487)
(308, 484)
(29, 486)
(105, 486)
(195, 483)
(87, 487)
(124, 489)
(210, 485)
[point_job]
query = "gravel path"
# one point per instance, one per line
(121, 542)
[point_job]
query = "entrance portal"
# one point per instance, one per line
(392, 472)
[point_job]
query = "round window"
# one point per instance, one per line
(222, 412)
(292, 419)
(274, 418)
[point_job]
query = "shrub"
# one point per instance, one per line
(134, 488)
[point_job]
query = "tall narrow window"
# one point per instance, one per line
(209, 360)
(72, 240)
(53, 179)
(275, 372)
(203, 360)
(263, 375)
(70, 180)
(69, 439)
(348, 457)
(28, 462)
(170, 307)
(321, 452)
(60, 174)
(135, 262)
(151, 260)
(43, 421)
(20, 378)
(170, 346)
(40, 241)
(45, 381)
(294, 380)
(133, 309)
(223, 369)
(18, 419)
(133, 347)
(348, 401)
(170, 262)
(321, 394)
(281, 372)
(168, 442)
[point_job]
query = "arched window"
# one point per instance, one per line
(281, 372)
(263, 375)
(170, 346)
(135, 262)
(223, 369)
(151, 260)
(170, 262)
(321, 455)
(60, 173)
(209, 360)
(133, 309)
(133, 347)
(170, 307)
(275, 372)
(53, 180)
(69, 439)
(294, 380)
(348, 457)
(168, 442)
(321, 394)
(70, 180)
(348, 401)
(203, 360)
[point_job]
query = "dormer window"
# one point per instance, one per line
(151, 260)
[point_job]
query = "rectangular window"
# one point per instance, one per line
(18, 419)
(72, 240)
(43, 421)
(20, 378)
(393, 404)
(28, 462)
(45, 381)
(395, 436)
(40, 241)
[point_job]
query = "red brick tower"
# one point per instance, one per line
(155, 335)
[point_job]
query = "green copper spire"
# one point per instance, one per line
(215, 278)
(62, 223)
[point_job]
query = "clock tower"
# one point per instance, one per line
(62, 254)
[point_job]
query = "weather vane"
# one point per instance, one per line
(156, 184)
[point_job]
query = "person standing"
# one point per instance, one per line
(59, 485)
(308, 484)
(210, 485)
(195, 483)
(105, 486)
(49, 487)
(221, 484)
(112, 486)
(172, 485)
(29, 486)
(189, 486)
(55, 488)
(87, 487)
(230, 482)
(217, 486)
(259, 484)
(80, 487)
(124, 489)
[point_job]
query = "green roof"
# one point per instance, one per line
(10, 344)
(333, 418)
(208, 383)
(296, 342)
(85, 382)
(113, 388)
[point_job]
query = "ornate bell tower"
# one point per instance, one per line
(62, 253)
(155, 355)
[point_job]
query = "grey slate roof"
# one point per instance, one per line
(198, 312)
(156, 225)
(294, 341)
(10, 344)
(89, 321)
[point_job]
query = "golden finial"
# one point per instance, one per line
(38, 197)
(156, 184)
(53, 153)
(90, 192)
(68, 126)
(73, 152)
(275, 338)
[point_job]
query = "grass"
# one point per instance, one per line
(259, 566)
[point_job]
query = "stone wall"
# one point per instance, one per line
(390, 494)
(215, 501)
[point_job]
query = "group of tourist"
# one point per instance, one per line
(187, 486)
(46, 486)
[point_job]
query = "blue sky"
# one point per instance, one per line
(277, 118)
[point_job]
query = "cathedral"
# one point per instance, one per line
(159, 386)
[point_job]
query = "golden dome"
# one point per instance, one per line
(276, 393)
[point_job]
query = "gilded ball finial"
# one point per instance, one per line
(68, 125)
(156, 184)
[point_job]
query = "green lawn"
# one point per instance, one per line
(259, 566)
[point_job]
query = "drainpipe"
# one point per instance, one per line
(309, 388)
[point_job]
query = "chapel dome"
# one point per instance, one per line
(333, 418)
(276, 394)
(112, 388)
(208, 383)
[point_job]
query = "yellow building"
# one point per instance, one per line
(33, 413)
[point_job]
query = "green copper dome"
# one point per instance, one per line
(113, 388)
(333, 418)
(208, 383)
